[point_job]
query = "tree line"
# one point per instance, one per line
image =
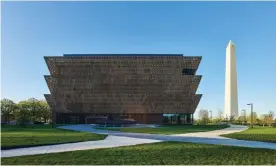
(264, 119)
(31, 110)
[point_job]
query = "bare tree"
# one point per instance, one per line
(204, 116)
(203, 113)
(264, 119)
(270, 117)
(220, 113)
(232, 119)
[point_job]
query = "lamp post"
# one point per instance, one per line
(244, 115)
(251, 104)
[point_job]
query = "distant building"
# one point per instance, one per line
(203, 113)
(143, 87)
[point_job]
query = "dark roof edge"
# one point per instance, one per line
(91, 55)
(122, 54)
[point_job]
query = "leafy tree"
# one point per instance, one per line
(41, 111)
(33, 106)
(44, 110)
(205, 120)
(216, 120)
(23, 113)
(7, 109)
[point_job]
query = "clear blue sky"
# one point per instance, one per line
(31, 30)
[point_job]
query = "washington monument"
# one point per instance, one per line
(231, 88)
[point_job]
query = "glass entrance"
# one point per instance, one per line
(178, 118)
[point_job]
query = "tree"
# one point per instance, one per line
(7, 109)
(270, 117)
(33, 105)
(258, 121)
(220, 114)
(243, 118)
(44, 110)
(233, 119)
(27, 110)
(204, 117)
(255, 117)
(264, 119)
(23, 113)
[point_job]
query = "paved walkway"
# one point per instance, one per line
(209, 137)
(108, 142)
(116, 139)
(217, 133)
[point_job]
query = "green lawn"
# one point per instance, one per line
(169, 129)
(165, 153)
(15, 136)
(257, 133)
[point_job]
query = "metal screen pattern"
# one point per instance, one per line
(123, 83)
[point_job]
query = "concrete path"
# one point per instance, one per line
(116, 139)
(216, 133)
(108, 142)
(209, 137)
(207, 134)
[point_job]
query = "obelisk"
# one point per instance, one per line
(231, 88)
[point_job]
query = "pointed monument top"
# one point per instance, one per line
(231, 43)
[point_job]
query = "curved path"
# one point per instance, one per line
(117, 138)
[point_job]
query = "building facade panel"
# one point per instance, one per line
(146, 86)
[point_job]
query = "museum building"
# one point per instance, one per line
(146, 88)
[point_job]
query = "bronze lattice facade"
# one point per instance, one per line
(140, 86)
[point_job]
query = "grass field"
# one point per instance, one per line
(15, 136)
(169, 129)
(257, 133)
(165, 153)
